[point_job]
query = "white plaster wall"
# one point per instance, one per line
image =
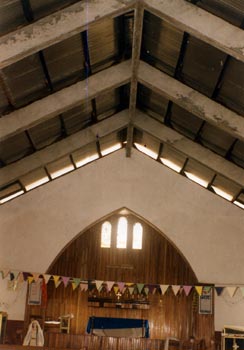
(207, 229)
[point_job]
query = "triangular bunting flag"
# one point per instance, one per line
(231, 290)
(5, 273)
(151, 288)
(140, 287)
(109, 285)
(58, 283)
(175, 289)
(56, 280)
(187, 290)
(121, 286)
(146, 290)
(20, 278)
(46, 278)
(219, 290)
(131, 290)
(65, 280)
(199, 289)
(116, 289)
(36, 276)
(76, 281)
(25, 275)
(83, 286)
(15, 274)
(98, 284)
(164, 288)
(207, 289)
(30, 279)
(242, 290)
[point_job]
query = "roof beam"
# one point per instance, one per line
(57, 27)
(136, 50)
(201, 24)
(189, 148)
(64, 99)
(191, 100)
(64, 147)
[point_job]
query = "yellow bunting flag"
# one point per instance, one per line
(30, 279)
(199, 289)
(231, 290)
(164, 288)
(5, 273)
(56, 280)
(116, 289)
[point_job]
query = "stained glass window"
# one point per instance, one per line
(106, 235)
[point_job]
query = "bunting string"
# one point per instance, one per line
(230, 292)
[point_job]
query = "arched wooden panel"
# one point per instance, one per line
(159, 262)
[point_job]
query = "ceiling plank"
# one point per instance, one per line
(190, 148)
(136, 50)
(201, 24)
(64, 147)
(191, 100)
(57, 27)
(64, 99)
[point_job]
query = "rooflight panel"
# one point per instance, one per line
(34, 179)
(60, 167)
(9, 192)
(225, 188)
(110, 143)
(172, 158)
(240, 200)
(198, 173)
(147, 144)
(85, 155)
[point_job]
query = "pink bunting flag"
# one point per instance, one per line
(121, 286)
(187, 290)
(109, 285)
(65, 280)
(83, 286)
(175, 289)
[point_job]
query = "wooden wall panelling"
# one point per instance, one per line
(159, 262)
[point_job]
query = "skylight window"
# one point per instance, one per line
(196, 179)
(239, 204)
(222, 193)
(137, 236)
(106, 235)
(122, 233)
(37, 183)
(111, 149)
(8, 198)
(171, 164)
(146, 150)
(62, 171)
(86, 160)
